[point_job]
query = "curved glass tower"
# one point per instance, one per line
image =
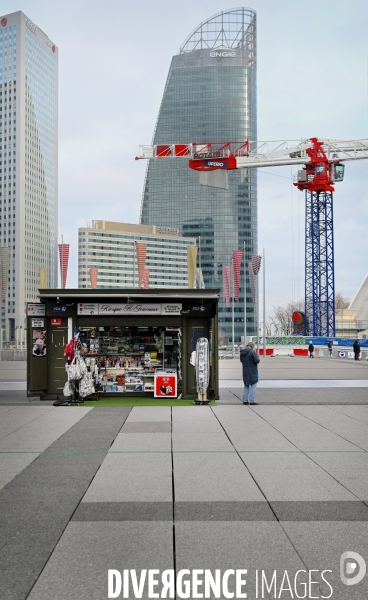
(210, 96)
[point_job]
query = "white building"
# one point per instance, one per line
(360, 305)
(111, 248)
(28, 164)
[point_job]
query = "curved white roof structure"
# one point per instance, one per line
(233, 28)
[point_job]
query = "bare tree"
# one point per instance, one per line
(341, 301)
(281, 318)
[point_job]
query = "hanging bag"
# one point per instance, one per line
(75, 370)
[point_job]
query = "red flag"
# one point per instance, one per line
(64, 259)
(226, 276)
(141, 249)
(146, 275)
(256, 263)
(237, 258)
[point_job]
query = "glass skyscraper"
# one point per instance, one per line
(28, 165)
(210, 96)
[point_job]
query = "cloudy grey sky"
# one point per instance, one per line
(114, 58)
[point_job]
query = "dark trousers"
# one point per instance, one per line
(356, 355)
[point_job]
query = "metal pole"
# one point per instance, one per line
(264, 304)
(62, 261)
(245, 298)
(1, 343)
(200, 262)
(257, 311)
(232, 274)
(134, 262)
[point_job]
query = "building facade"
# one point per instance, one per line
(111, 248)
(210, 96)
(28, 165)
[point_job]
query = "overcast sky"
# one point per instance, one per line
(114, 58)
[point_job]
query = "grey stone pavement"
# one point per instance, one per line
(282, 486)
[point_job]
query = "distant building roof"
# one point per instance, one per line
(360, 301)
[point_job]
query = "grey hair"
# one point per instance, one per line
(250, 345)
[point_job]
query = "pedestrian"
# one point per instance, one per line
(249, 360)
(311, 350)
(356, 348)
(329, 346)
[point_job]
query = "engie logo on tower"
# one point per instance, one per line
(222, 54)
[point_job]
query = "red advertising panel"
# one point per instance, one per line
(165, 385)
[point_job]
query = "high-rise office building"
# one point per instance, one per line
(28, 164)
(210, 96)
(111, 248)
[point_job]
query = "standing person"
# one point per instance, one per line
(356, 348)
(249, 360)
(311, 350)
(329, 346)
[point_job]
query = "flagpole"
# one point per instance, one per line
(200, 262)
(245, 300)
(264, 304)
(134, 261)
(257, 311)
(232, 271)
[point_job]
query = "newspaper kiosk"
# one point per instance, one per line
(132, 340)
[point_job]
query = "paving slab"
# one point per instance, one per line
(353, 431)
(132, 477)
(211, 477)
(124, 511)
(248, 432)
(147, 427)
(358, 413)
(321, 546)
(13, 385)
(78, 568)
(13, 463)
(235, 545)
(350, 469)
(19, 416)
(293, 476)
(150, 413)
(194, 419)
(39, 433)
(141, 442)
(303, 432)
(205, 442)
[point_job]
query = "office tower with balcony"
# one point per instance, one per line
(28, 165)
(210, 96)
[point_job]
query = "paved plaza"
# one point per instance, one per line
(282, 486)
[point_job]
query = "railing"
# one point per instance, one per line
(10, 354)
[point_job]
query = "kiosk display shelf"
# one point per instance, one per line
(125, 359)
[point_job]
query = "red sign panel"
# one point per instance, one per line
(165, 386)
(55, 321)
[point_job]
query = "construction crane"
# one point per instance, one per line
(322, 167)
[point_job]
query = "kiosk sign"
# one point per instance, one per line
(36, 310)
(137, 308)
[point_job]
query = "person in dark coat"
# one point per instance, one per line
(356, 348)
(249, 360)
(329, 346)
(311, 350)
